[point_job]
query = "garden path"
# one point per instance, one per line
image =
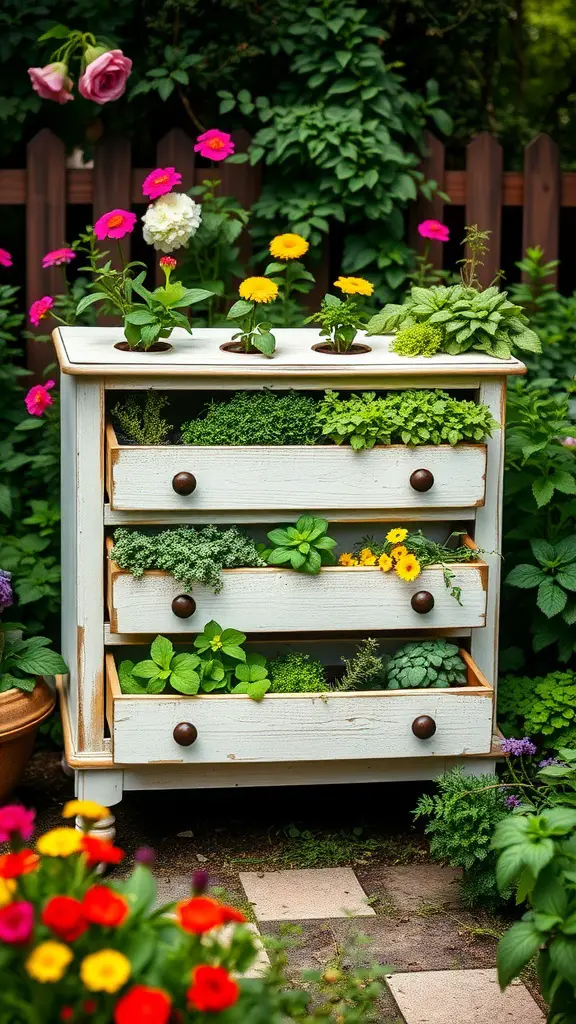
(326, 880)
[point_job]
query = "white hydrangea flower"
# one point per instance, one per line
(171, 221)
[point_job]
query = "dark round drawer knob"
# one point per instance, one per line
(185, 483)
(422, 602)
(183, 606)
(421, 480)
(185, 734)
(423, 727)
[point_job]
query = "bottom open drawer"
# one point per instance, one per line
(300, 727)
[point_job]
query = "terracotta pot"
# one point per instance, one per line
(20, 715)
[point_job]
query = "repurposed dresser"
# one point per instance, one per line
(117, 741)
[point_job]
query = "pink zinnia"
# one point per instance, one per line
(16, 822)
(161, 181)
(5, 258)
(569, 442)
(38, 398)
(435, 230)
(214, 145)
(16, 922)
(114, 224)
(39, 309)
(57, 257)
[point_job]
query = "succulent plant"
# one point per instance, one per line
(434, 663)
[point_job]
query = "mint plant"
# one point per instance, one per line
(554, 576)
(304, 547)
(163, 668)
(220, 641)
(22, 661)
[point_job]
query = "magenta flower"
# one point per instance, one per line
(161, 181)
(6, 594)
(38, 398)
(168, 261)
(214, 145)
(16, 822)
(52, 82)
(58, 256)
(5, 258)
(434, 230)
(39, 309)
(114, 224)
(16, 922)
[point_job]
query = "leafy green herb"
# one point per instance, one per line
(142, 421)
(21, 661)
(340, 321)
(304, 547)
(434, 663)
(163, 668)
(221, 641)
(193, 556)
(254, 334)
(554, 576)
(255, 418)
(366, 670)
(297, 673)
(541, 706)
(417, 340)
(407, 417)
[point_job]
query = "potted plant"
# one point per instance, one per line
(25, 698)
(342, 319)
(254, 336)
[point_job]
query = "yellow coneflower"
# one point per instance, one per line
(288, 246)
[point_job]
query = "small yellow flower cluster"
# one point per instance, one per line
(406, 565)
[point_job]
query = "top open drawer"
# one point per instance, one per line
(147, 478)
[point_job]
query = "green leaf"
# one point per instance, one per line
(542, 489)
(515, 949)
(146, 669)
(42, 662)
(240, 308)
(567, 577)
(88, 300)
(265, 342)
(551, 598)
(139, 889)
(162, 651)
(165, 88)
(185, 680)
(543, 551)
(442, 120)
(526, 576)
(139, 317)
(56, 32)
(234, 652)
(191, 296)
(563, 958)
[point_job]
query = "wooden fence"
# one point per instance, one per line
(46, 186)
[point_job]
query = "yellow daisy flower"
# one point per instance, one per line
(258, 289)
(354, 285)
(397, 535)
(398, 552)
(48, 962)
(105, 971)
(288, 246)
(85, 809)
(346, 559)
(7, 890)
(385, 562)
(60, 842)
(408, 568)
(371, 560)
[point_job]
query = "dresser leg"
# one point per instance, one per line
(105, 787)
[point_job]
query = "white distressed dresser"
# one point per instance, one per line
(118, 742)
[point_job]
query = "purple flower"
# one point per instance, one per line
(145, 855)
(512, 801)
(200, 880)
(569, 442)
(518, 747)
(6, 595)
(548, 761)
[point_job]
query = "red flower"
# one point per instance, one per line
(143, 1005)
(67, 1013)
(89, 1006)
(12, 865)
(102, 906)
(212, 989)
(65, 917)
(168, 261)
(100, 851)
(202, 913)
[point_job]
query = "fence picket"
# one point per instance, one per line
(112, 178)
(45, 229)
(541, 219)
(484, 197)
(432, 168)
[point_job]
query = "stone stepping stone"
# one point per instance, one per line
(462, 997)
(305, 895)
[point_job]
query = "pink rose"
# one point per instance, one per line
(105, 77)
(52, 82)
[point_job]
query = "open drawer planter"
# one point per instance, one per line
(174, 478)
(300, 726)
(281, 600)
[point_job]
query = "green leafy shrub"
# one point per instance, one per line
(554, 577)
(483, 321)
(462, 816)
(22, 660)
(553, 317)
(434, 663)
(339, 321)
(193, 556)
(304, 547)
(141, 420)
(163, 668)
(255, 418)
(543, 707)
(366, 670)
(417, 340)
(295, 672)
(407, 417)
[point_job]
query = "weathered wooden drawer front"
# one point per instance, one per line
(321, 477)
(299, 727)
(275, 600)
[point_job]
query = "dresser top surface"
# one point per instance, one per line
(91, 351)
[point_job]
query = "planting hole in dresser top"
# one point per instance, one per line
(115, 738)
